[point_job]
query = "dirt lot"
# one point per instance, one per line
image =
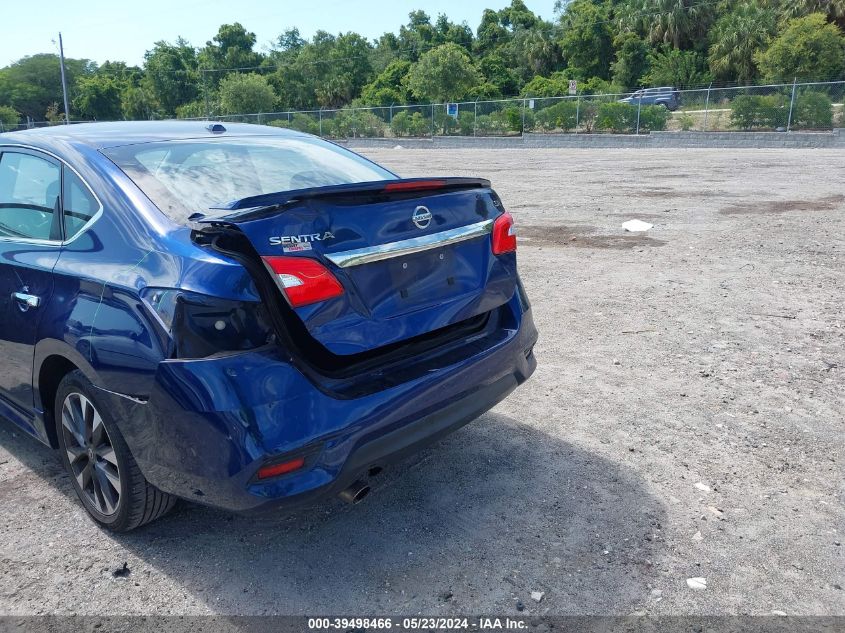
(686, 420)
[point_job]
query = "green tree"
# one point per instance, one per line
(498, 72)
(555, 86)
(31, 84)
(9, 117)
(98, 97)
(485, 91)
(171, 74)
(632, 60)
(518, 16)
(446, 31)
(737, 37)
(346, 70)
(491, 34)
(675, 22)
(681, 69)
(247, 93)
(533, 51)
(587, 42)
(834, 9)
(389, 86)
(138, 103)
(230, 50)
(329, 71)
(808, 48)
(443, 74)
(54, 114)
(288, 43)
(416, 37)
(232, 47)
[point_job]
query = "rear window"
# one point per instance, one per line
(187, 177)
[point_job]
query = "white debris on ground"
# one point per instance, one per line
(536, 596)
(702, 487)
(697, 584)
(636, 226)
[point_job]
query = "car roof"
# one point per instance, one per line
(115, 134)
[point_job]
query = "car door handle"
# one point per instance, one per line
(26, 301)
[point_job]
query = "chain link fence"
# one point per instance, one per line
(816, 106)
(30, 124)
(809, 106)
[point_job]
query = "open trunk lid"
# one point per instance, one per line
(403, 257)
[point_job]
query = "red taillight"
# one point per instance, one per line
(274, 470)
(504, 234)
(304, 280)
(413, 185)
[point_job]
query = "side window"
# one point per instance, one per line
(79, 204)
(29, 191)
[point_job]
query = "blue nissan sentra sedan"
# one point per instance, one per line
(243, 316)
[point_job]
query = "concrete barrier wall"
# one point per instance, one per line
(738, 140)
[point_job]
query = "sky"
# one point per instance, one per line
(105, 30)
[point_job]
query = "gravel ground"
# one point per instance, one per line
(685, 421)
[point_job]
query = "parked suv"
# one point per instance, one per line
(243, 316)
(668, 97)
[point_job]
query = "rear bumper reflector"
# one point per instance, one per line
(358, 256)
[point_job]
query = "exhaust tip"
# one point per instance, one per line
(355, 493)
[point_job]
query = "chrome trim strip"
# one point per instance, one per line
(134, 399)
(369, 254)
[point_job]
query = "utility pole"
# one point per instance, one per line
(64, 79)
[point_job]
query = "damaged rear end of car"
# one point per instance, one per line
(372, 318)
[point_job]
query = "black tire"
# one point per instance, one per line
(137, 501)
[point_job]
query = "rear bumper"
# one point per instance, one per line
(395, 445)
(210, 424)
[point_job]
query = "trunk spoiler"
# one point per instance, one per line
(253, 207)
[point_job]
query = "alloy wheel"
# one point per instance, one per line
(91, 454)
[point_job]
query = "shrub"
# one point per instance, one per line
(745, 112)
(616, 117)
(754, 111)
(686, 121)
(192, 110)
(491, 124)
(420, 126)
(622, 117)
(444, 123)
(300, 122)
(400, 124)
(652, 117)
(512, 118)
(588, 112)
(9, 117)
(774, 110)
(246, 94)
(560, 116)
(371, 125)
(354, 123)
(405, 124)
(466, 123)
(813, 110)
